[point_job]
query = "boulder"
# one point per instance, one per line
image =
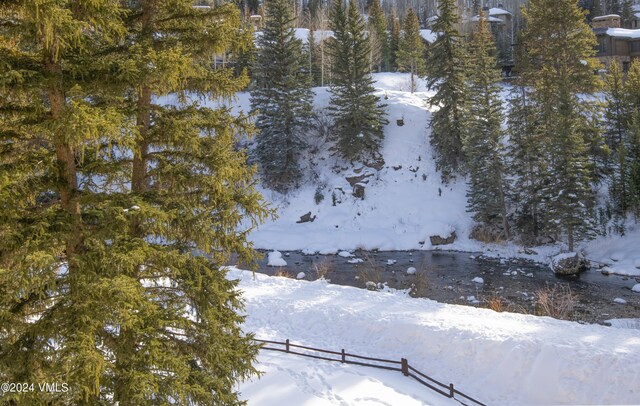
(306, 218)
(358, 191)
(569, 264)
(438, 240)
(358, 179)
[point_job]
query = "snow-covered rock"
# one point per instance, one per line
(411, 271)
(620, 300)
(345, 254)
(275, 259)
(301, 275)
(356, 261)
(569, 263)
(636, 288)
(477, 279)
(391, 261)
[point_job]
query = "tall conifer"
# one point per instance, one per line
(483, 136)
(110, 199)
(411, 51)
(446, 75)
(283, 98)
(560, 46)
(358, 116)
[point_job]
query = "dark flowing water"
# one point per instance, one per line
(448, 277)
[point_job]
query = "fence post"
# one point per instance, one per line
(404, 366)
(344, 356)
(286, 344)
(452, 392)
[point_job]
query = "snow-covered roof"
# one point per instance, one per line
(318, 35)
(428, 35)
(498, 12)
(636, 15)
(600, 18)
(623, 33)
(490, 19)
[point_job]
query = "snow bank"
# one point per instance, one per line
(621, 254)
(499, 358)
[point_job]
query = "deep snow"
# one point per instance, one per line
(498, 358)
(405, 203)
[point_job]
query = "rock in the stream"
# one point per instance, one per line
(411, 271)
(301, 275)
(620, 300)
(306, 218)
(636, 288)
(438, 240)
(570, 263)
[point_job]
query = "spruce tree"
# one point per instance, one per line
(358, 116)
(379, 37)
(631, 156)
(484, 145)
(108, 195)
(560, 46)
(394, 41)
(411, 50)
(627, 13)
(282, 97)
(314, 59)
(446, 75)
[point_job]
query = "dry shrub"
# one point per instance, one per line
(497, 304)
(557, 302)
(420, 284)
(370, 272)
(487, 234)
(323, 268)
(283, 273)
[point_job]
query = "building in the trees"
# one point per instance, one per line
(617, 43)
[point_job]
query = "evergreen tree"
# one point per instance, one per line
(394, 41)
(561, 47)
(446, 74)
(314, 59)
(105, 200)
(483, 136)
(630, 157)
(358, 116)
(379, 37)
(283, 98)
(627, 13)
(411, 51)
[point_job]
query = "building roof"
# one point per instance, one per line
(490, 19)
(428, 36)
(498, 12)
(600, 18)
(623, 33)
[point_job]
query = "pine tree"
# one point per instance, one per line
(282, 96)
(484, 144)
(411, 50)
(627, 13)
(314, 59)
(446, 74)
(379, 37)
(107, 195)
(630, 158)
(358, 116)
(561, 47)
(616, 132)
(394, 41)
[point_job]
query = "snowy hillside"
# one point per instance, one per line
(499, 358)
(404, 203)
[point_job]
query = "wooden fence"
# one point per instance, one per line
(401, 366)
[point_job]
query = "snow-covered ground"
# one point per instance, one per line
(498, 358)
(405, 203)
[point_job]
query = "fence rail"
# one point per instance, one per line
(402, 366)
